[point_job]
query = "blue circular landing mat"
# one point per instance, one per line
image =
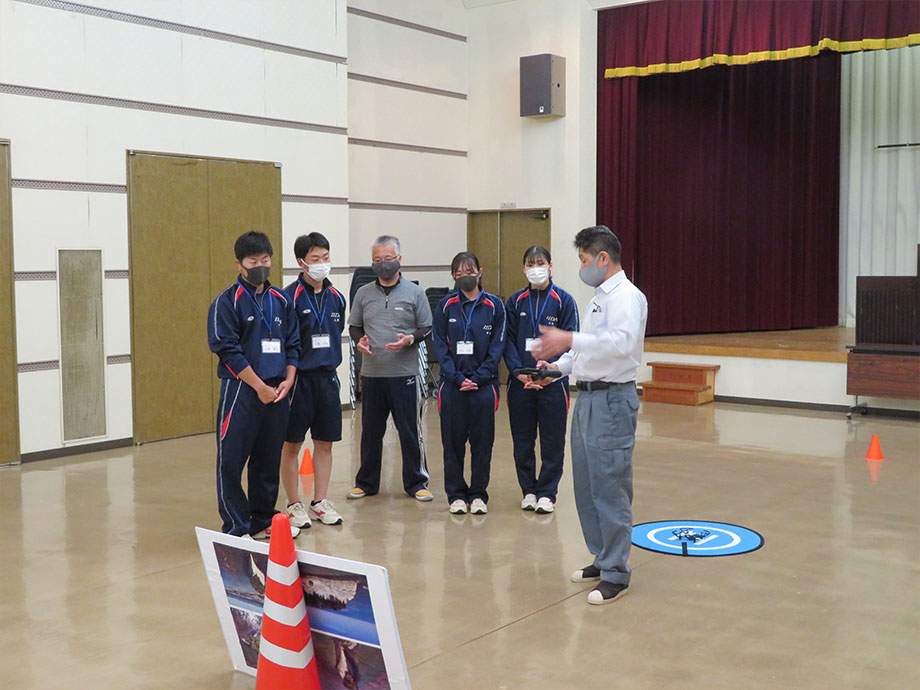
(695, 538)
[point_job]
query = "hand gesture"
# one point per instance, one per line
(552, 342)
(267, 394)
(468, 385)
(364, 346)
(282, 390)
(402, 341)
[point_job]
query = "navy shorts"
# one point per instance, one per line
(315, 405)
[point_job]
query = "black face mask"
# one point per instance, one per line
(257, 275)
(386, 270)
(468, 283)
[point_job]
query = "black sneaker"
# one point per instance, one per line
(606, 592)
(587, 574)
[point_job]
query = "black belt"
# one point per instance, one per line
(593, 385)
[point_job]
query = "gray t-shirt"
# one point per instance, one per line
(382, 316)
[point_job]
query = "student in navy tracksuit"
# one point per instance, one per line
(253, 329)
(469, 339)
(531, 405)
(315, 402)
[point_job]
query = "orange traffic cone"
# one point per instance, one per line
(306, 465)
(874, 458)
(286, 658)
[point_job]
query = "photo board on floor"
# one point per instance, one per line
(349, 606)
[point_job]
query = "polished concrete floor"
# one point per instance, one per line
(101, 584)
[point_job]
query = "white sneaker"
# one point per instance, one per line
(458, 507)
(326, 513)
(529, 502)
(298, 515)
(478, 507)
(267, 533)
(545, 505)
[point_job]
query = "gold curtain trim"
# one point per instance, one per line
(765, 55)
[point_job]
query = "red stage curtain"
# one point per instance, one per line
(682, 35)
(738, 184)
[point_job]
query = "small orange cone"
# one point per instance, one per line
(286, 658)
(306, 465)
(874, 458)
(875, 449)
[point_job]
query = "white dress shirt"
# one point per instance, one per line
(608, 347)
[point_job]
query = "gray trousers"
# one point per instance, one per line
(603, 437)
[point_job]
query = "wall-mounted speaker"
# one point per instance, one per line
(542, 86)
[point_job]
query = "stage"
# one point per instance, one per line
(798, 368)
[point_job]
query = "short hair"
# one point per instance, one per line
(597, 239)
(464, 259)
(536, 251)
(252, 244)
(304, 243)
(385, 240)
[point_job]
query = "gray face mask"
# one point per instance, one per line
(468, 283)
(593, 275)
(257, 275)
(386, 270)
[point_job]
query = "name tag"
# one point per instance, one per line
(465, 347)
(530, 343)
(271, 346)
(320, 341)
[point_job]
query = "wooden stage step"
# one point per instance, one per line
(680, 384)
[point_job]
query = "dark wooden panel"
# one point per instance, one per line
(888, 310)
(519, 230)
(82, 343)
(9, 400)
(242, 196)
(884, 375)
(482, 240)
(170, 260)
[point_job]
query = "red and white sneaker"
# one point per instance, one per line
(326, 513)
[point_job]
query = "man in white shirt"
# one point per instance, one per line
(603, 357)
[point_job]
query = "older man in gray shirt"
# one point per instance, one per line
(388, 317)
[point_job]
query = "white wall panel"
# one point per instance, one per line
(116, 315)
(130, 61)
(41, 46)
(216, 75)
(426, 238)
(312, 24)
(48, 137)
(119, 418)
(300, 219)
(407, 117)
(427, 279)
(395, 52)
(304, 90)
(108, 221)
(47, 220)
(40, 411)
(37, 323)
(314, 163)
(446, 15)
(406, 177)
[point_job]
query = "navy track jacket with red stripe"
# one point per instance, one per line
(237, 327)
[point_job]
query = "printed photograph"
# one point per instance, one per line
(348, 665)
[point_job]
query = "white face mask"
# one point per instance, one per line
(318, 271)
(537, 275)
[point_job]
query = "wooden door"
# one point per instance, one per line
(9, 400)
(185, 213)
(519, 231)
(482, 238)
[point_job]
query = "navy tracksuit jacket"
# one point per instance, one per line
(318, 315)
(468, 415)
(547, 409)
(261, 331)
